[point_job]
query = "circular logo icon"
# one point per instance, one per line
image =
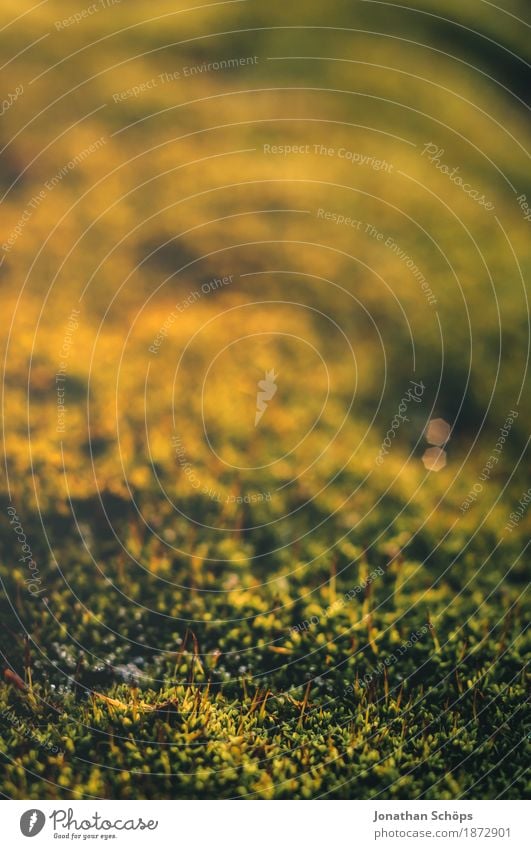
(32, 822)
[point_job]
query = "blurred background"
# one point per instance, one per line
(179, 191)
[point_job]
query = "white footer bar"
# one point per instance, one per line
(267, 825)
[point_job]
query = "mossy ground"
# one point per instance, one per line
(304, 622)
